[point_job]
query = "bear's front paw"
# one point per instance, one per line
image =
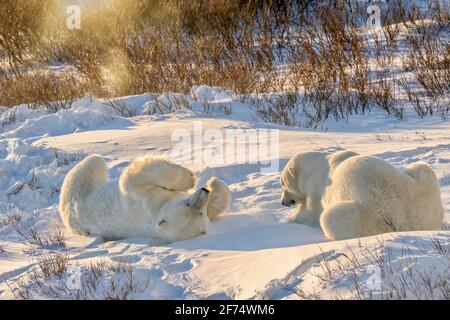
(308, 218)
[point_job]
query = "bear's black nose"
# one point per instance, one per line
(288, 204)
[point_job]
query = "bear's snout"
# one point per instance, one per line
(288, 203)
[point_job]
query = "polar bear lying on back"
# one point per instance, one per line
(355, 196)
(151, 199)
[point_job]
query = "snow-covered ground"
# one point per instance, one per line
(252, 252)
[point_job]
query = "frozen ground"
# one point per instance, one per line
(253, 251)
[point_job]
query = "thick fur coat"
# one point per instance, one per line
(351, 196)
(152, 198)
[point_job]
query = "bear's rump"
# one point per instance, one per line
(368, 180)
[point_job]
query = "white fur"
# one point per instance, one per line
(335, 159)
(365, 196)
(219, 198)
(303, 182)
(151, 199)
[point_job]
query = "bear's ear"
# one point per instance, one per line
(289, 177)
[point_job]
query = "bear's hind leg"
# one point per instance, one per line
(346, 220)
(79, 183)
(147, 172)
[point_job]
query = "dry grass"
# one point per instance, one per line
(53, 265)
(53, 91)
(51, 239)
(9, 117)
(168, 46)
(280, 108)
(103, 280)
(46, 268)
(66, 158)
(400, 275)
(11, 219)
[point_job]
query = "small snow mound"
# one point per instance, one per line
(206, 93)
(31, 176)
(85, 114)
(166, 103)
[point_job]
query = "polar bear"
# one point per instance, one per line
(150, 199)
(304, 180)
(361, 195)
(303, 184)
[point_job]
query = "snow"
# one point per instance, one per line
(253, 251)
(86, 114)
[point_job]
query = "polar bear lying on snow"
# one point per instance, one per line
(151, 199)
(352, 196)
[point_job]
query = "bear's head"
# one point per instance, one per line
(305, 175)
(291, 195)
(184, 218)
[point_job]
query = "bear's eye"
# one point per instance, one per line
(162, 222)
